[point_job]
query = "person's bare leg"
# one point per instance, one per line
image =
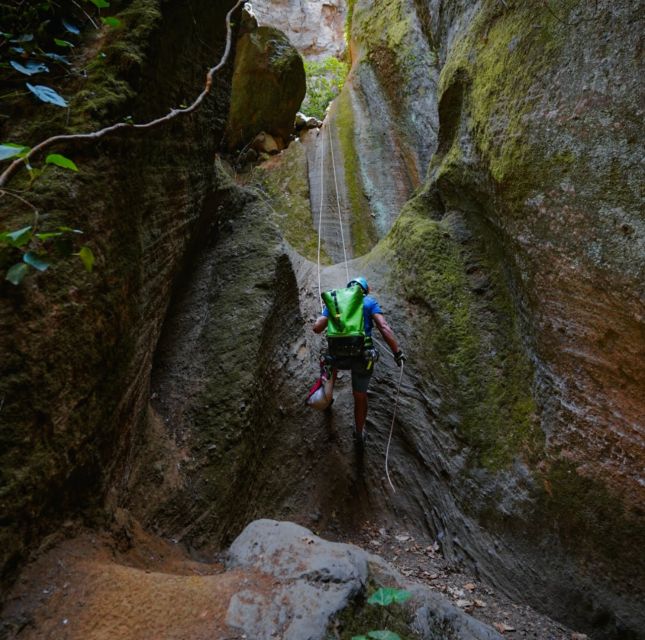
(360, 410)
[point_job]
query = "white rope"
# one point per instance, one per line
(387, 450)
(322, 190)
(340, 219)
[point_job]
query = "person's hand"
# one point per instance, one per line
(399, 356)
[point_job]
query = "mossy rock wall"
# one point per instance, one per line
(522, 263)
(76, 348)
(394, 55)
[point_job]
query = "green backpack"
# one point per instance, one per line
(346, 324)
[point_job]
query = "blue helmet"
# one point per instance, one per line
(361, 282)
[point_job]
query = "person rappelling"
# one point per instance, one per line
(348, 316)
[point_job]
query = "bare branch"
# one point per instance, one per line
(95, 135)
(87, 15)
(14, 194)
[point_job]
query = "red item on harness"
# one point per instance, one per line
(320, 395)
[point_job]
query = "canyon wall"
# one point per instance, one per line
(76, 348)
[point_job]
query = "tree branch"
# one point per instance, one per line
(95, 135)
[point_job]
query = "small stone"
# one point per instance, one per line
(464, 604)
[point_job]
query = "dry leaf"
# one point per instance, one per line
(470, 586)
(502, 627)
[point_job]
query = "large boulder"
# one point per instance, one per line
(268, 87)
(314, 581)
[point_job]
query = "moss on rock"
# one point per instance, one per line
(469, 336)
(284, 180)
(364, 235)
(500, 57)
(269, 85)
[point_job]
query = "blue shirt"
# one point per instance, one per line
(370, 307)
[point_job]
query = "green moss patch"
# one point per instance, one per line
(591, 521)
(504, 52)
(283, 182)
(469, 336)
(364, 235)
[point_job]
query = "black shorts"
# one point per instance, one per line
(361, 375)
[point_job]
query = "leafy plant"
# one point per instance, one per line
(387, 596)
(325, 79)
(31, 248)
(47, 94)
(384, 597)
(35, 250)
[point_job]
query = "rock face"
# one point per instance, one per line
(75, 348)
(268, 87)
(315, 27)
(383, 127)
(280, 581)
(315, 581)
(518, 434)
(521, 263)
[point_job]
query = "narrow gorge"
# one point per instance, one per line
(480, 164)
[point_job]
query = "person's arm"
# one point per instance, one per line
(388, 336)
(321, 324)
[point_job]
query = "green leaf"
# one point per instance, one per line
(26, 37)
(20, 237)
(69, 230)
(30, 68)
(10, 150)
(111, 21)
(35, 261)
(87, 258)
(72, 28)
(63, 43)
(17, 273)
(48, 235)
(387, 595)
(360, 638)
(100, 4)
(383, 634)
(47, 94)
(60, 161)
(57, 57)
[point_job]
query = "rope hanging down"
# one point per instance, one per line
(389, 440)
(322, 191)
(342, 236)
(340, 219)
